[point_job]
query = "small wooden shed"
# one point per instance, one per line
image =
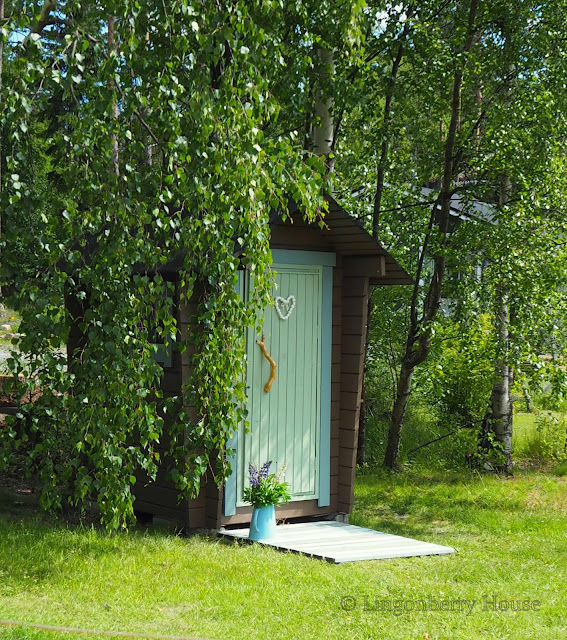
(316, 333)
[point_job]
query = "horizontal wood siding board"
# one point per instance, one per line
(389, 280)
(353, 363)
(197, 518)
(164, 496)
(305, 239)
(346, 486)
(337, 315)
(351, 383)
(335, 446)
(336, 371)
(353, 345)
(177, 516)
(351, 326)
(345, 478)
(362, 242)
(345, 498)
(354, 286)
(335, 410)
(200, 502)
(351, 310)
(347, 231)
(347, 417)
(348, 444)
(335, 467)
(171, 387)
(353, 249)
(350, 401)
(376, 267)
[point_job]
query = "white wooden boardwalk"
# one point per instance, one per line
(338, 542)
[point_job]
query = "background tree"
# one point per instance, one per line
(461, 144)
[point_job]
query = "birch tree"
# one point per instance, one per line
(462, 145)
(198, 84)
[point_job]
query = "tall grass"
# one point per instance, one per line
(541, 436)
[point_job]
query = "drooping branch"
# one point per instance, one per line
(110, 22)
(411, 205)
(1, 71)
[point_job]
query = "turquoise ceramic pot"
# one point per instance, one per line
(263, 525)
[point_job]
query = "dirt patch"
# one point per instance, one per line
(9, 396)
(18, 495)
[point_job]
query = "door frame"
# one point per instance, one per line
(326, 260)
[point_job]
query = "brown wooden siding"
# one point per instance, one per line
(354, 326)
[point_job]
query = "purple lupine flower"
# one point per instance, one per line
(253, 474)
(264, 470)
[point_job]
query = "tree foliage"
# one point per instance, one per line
(163, 127)
(462, 116)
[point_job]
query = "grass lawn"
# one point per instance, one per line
(510, 536)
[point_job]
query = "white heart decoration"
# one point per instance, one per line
(284, 306)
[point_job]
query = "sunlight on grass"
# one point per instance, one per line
(509, 534)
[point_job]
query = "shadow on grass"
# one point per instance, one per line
(37, 548)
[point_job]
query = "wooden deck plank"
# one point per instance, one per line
(338, 542)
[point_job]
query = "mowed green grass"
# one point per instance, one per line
(510, 536)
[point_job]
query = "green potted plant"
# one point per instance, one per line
(265, 492)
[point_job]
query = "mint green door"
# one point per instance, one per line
(285, 422)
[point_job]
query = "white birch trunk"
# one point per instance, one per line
(501, 398)
(500, 419)
(323, 129)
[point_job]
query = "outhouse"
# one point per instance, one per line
(315, 332)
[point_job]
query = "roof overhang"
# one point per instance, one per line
(347, 237)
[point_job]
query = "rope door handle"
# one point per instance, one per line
(262, 345)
